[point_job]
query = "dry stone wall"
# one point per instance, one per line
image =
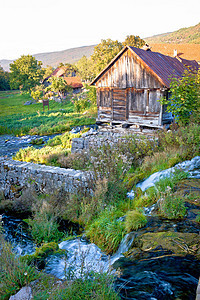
(95, 139)
(16, 175)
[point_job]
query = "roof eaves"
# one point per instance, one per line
(149, 68)
(109, 65)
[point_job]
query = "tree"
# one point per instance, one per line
(25, 73)
(134, 41)
(104, 53)
(4, 80)
(184, 100)
(47, 71)
(58, 86)
(85, 69)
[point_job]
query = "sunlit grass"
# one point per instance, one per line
(19, 119)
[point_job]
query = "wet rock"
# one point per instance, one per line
(24, 294)
(175, 242)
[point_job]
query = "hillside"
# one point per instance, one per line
(54, 58)
(189, 35)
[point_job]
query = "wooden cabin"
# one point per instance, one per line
(129, 88)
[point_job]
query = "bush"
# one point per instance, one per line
(134, 220)
(172, 207)
(185, 140)
(107, 231)
(14, 273)
(44, 226)
(184, 96)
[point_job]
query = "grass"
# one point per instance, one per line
(95, 286)
(14, 273)
(135, 220)
(19, 119)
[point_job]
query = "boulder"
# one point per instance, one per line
(24, 294)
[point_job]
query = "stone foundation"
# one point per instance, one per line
(95, 139)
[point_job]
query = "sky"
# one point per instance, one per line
(38, 26)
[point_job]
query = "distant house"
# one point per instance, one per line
(129, 88)
(70, 77)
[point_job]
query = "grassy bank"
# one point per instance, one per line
(98, 207)
(116, 171)
(19, 119)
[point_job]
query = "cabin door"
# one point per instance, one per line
(119, 104)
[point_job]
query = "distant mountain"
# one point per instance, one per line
(189, 35)
(55, 58)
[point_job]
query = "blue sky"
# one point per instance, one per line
(37, 26)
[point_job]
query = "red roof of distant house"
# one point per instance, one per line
(186, 51)
(74, 82)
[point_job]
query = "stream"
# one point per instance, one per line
(146, 272)
(10, 144)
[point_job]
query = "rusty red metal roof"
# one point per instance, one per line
(74, 82)
(161, 66)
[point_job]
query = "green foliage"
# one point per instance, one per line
(184, 140)
(104, 53)
(4, 80)
(19, 119)
(197, 218)
(134, 220)
(38, 258)
(37, 141)
(55, 151)
(14, 273)
(58, 86)
(95, 286)
(135, 41)
(170, 182)
(37, 92)
(107, 231)
(184, 98)
(86, 99)
(25, 73)
(44, 226)
(85, 69)
(172, 207)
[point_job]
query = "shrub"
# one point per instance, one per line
(44, 226)
(106, 231)
(185, 141)
(172, 206)
(134, 220)
(14, 273)
(184, 96)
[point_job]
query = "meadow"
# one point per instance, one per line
(19, 119)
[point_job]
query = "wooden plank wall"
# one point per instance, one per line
(129, 92)
(128, 72)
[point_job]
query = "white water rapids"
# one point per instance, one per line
(82, 256)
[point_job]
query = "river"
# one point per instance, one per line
(152, 273)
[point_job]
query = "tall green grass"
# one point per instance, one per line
(19, 119)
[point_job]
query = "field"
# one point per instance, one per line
(19, 119)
